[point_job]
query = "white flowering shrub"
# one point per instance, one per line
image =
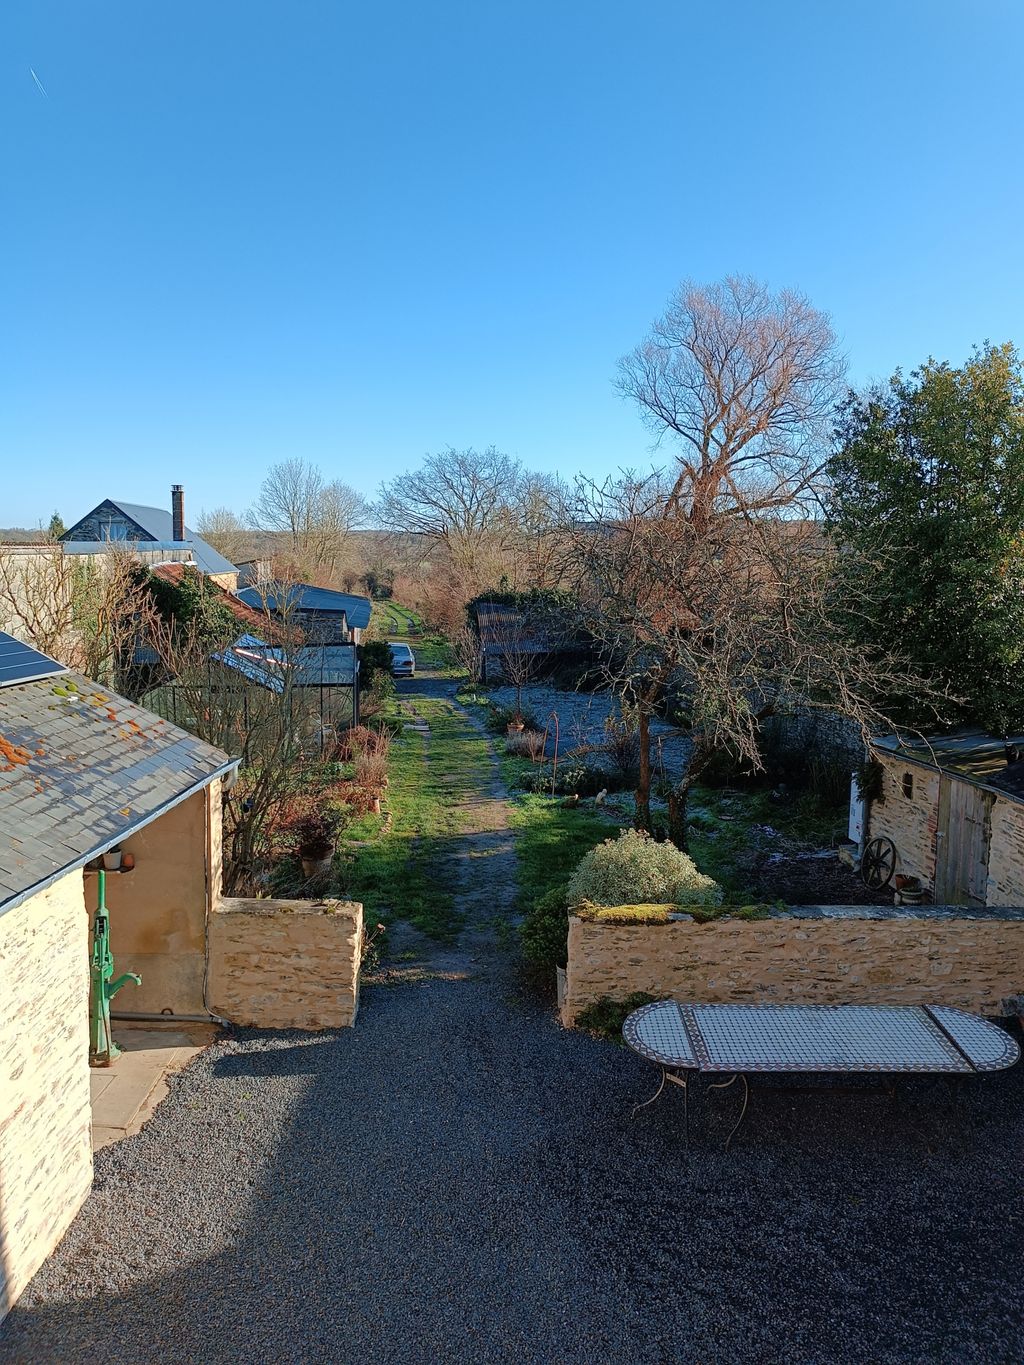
(634, 870)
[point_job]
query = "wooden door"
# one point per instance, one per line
(961, 843)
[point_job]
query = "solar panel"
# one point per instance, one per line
(20, 663)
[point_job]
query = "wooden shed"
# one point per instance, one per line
(953, 806)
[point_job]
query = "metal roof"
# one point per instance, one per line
(158, 525)
(305, 597)
(312, 665)
(81, 769)
(971, 754)
(506, 629)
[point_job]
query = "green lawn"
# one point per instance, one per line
(551, 838)
(400, 874)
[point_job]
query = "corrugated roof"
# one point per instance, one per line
(159, 525)
(80, 768)
(503, 627)
(972, 754)
(305, 597)
(312, 665)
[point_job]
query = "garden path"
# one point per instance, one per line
(478, 867)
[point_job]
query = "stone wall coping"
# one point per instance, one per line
(255, 905)
(828, 912)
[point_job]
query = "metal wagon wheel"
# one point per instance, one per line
(878, 864)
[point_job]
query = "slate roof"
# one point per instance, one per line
(81, 769)
(159, 525)
(971, 754)
(324, 601)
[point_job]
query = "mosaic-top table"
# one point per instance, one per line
(736, 1040)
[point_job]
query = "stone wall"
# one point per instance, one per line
(45, 1119)
(1006, 855)
(911, 822)
(285, 964)
(826, 955)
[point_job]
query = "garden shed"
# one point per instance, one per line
(953, 807)
(82, 771)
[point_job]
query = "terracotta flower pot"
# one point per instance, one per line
(316, 861)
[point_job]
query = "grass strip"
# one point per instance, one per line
(403, 874)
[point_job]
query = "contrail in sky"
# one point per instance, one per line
(39, 84)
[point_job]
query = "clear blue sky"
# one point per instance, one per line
(233, 231)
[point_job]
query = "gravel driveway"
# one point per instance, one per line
(458, 1179)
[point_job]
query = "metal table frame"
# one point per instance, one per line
(685, 1040)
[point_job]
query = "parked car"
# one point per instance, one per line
(403, 661)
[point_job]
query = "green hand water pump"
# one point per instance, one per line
(102, 1048)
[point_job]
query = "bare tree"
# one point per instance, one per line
(729, 623)
(517, 641)
(462, 499)
(266, 726)
(82, 610)
(227, 533)
(317, 516)
(707, 588)
(743, 383)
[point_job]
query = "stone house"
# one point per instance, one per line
(82, 770)
(953, 806)
(148, 528)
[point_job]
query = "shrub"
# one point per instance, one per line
(358, 739)
(544, 931)
(526, 744)
(606, 1016)
(374, 699)
(374, 661)
(371, 764)
(313, 825)
(634, 870)
(574, 778)
(622, 745)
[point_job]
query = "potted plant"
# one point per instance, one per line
(315, 836)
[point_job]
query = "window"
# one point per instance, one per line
(908, 785)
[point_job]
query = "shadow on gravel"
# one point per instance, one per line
(458, 1179)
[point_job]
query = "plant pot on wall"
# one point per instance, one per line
(112, 859)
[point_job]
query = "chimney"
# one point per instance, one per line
(177, 512)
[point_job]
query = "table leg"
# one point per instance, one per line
(724, 1085)
(661, 1087)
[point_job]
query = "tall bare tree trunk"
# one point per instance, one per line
(677, 802)
(642, 817)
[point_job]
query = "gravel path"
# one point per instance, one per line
(457, 1178)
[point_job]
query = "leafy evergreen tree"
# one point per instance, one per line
(56, 527)
(927, 493)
